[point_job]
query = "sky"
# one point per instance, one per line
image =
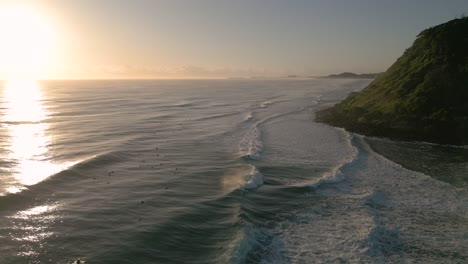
(105, 39)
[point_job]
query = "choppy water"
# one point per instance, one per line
(219, 171)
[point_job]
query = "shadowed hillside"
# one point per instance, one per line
(423, 96)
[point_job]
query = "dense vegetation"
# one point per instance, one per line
(422, 96)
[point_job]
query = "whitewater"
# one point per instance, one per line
(217, 171)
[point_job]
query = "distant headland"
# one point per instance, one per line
(350, 75)
(344, 75)
(423, 96)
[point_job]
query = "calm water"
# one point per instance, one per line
(220, 171)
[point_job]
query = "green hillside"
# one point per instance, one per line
(422, 96)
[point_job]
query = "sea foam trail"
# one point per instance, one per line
(251, 146)
(336, 174)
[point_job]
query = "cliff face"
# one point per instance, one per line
(423, 96)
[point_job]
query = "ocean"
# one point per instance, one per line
(217, 171)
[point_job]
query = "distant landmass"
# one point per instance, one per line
(423, 96)
(350, 75)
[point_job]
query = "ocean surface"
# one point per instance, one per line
(217, 171)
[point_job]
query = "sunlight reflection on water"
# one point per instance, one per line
(33, 226)
(26, 140)
(27, 159)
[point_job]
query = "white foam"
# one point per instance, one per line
(336, 174)
(252, 240)
(244, 177)
(378, 208)
(254, 179)
(248, 117)
(251, 146)
(265, 104)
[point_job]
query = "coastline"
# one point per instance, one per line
(444, 133)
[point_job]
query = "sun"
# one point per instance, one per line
(27, 43)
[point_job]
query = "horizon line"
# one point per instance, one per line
(149, 79)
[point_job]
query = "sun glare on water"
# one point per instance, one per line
(28, 42)
(25, 137)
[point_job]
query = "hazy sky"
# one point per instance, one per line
(221, 38)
